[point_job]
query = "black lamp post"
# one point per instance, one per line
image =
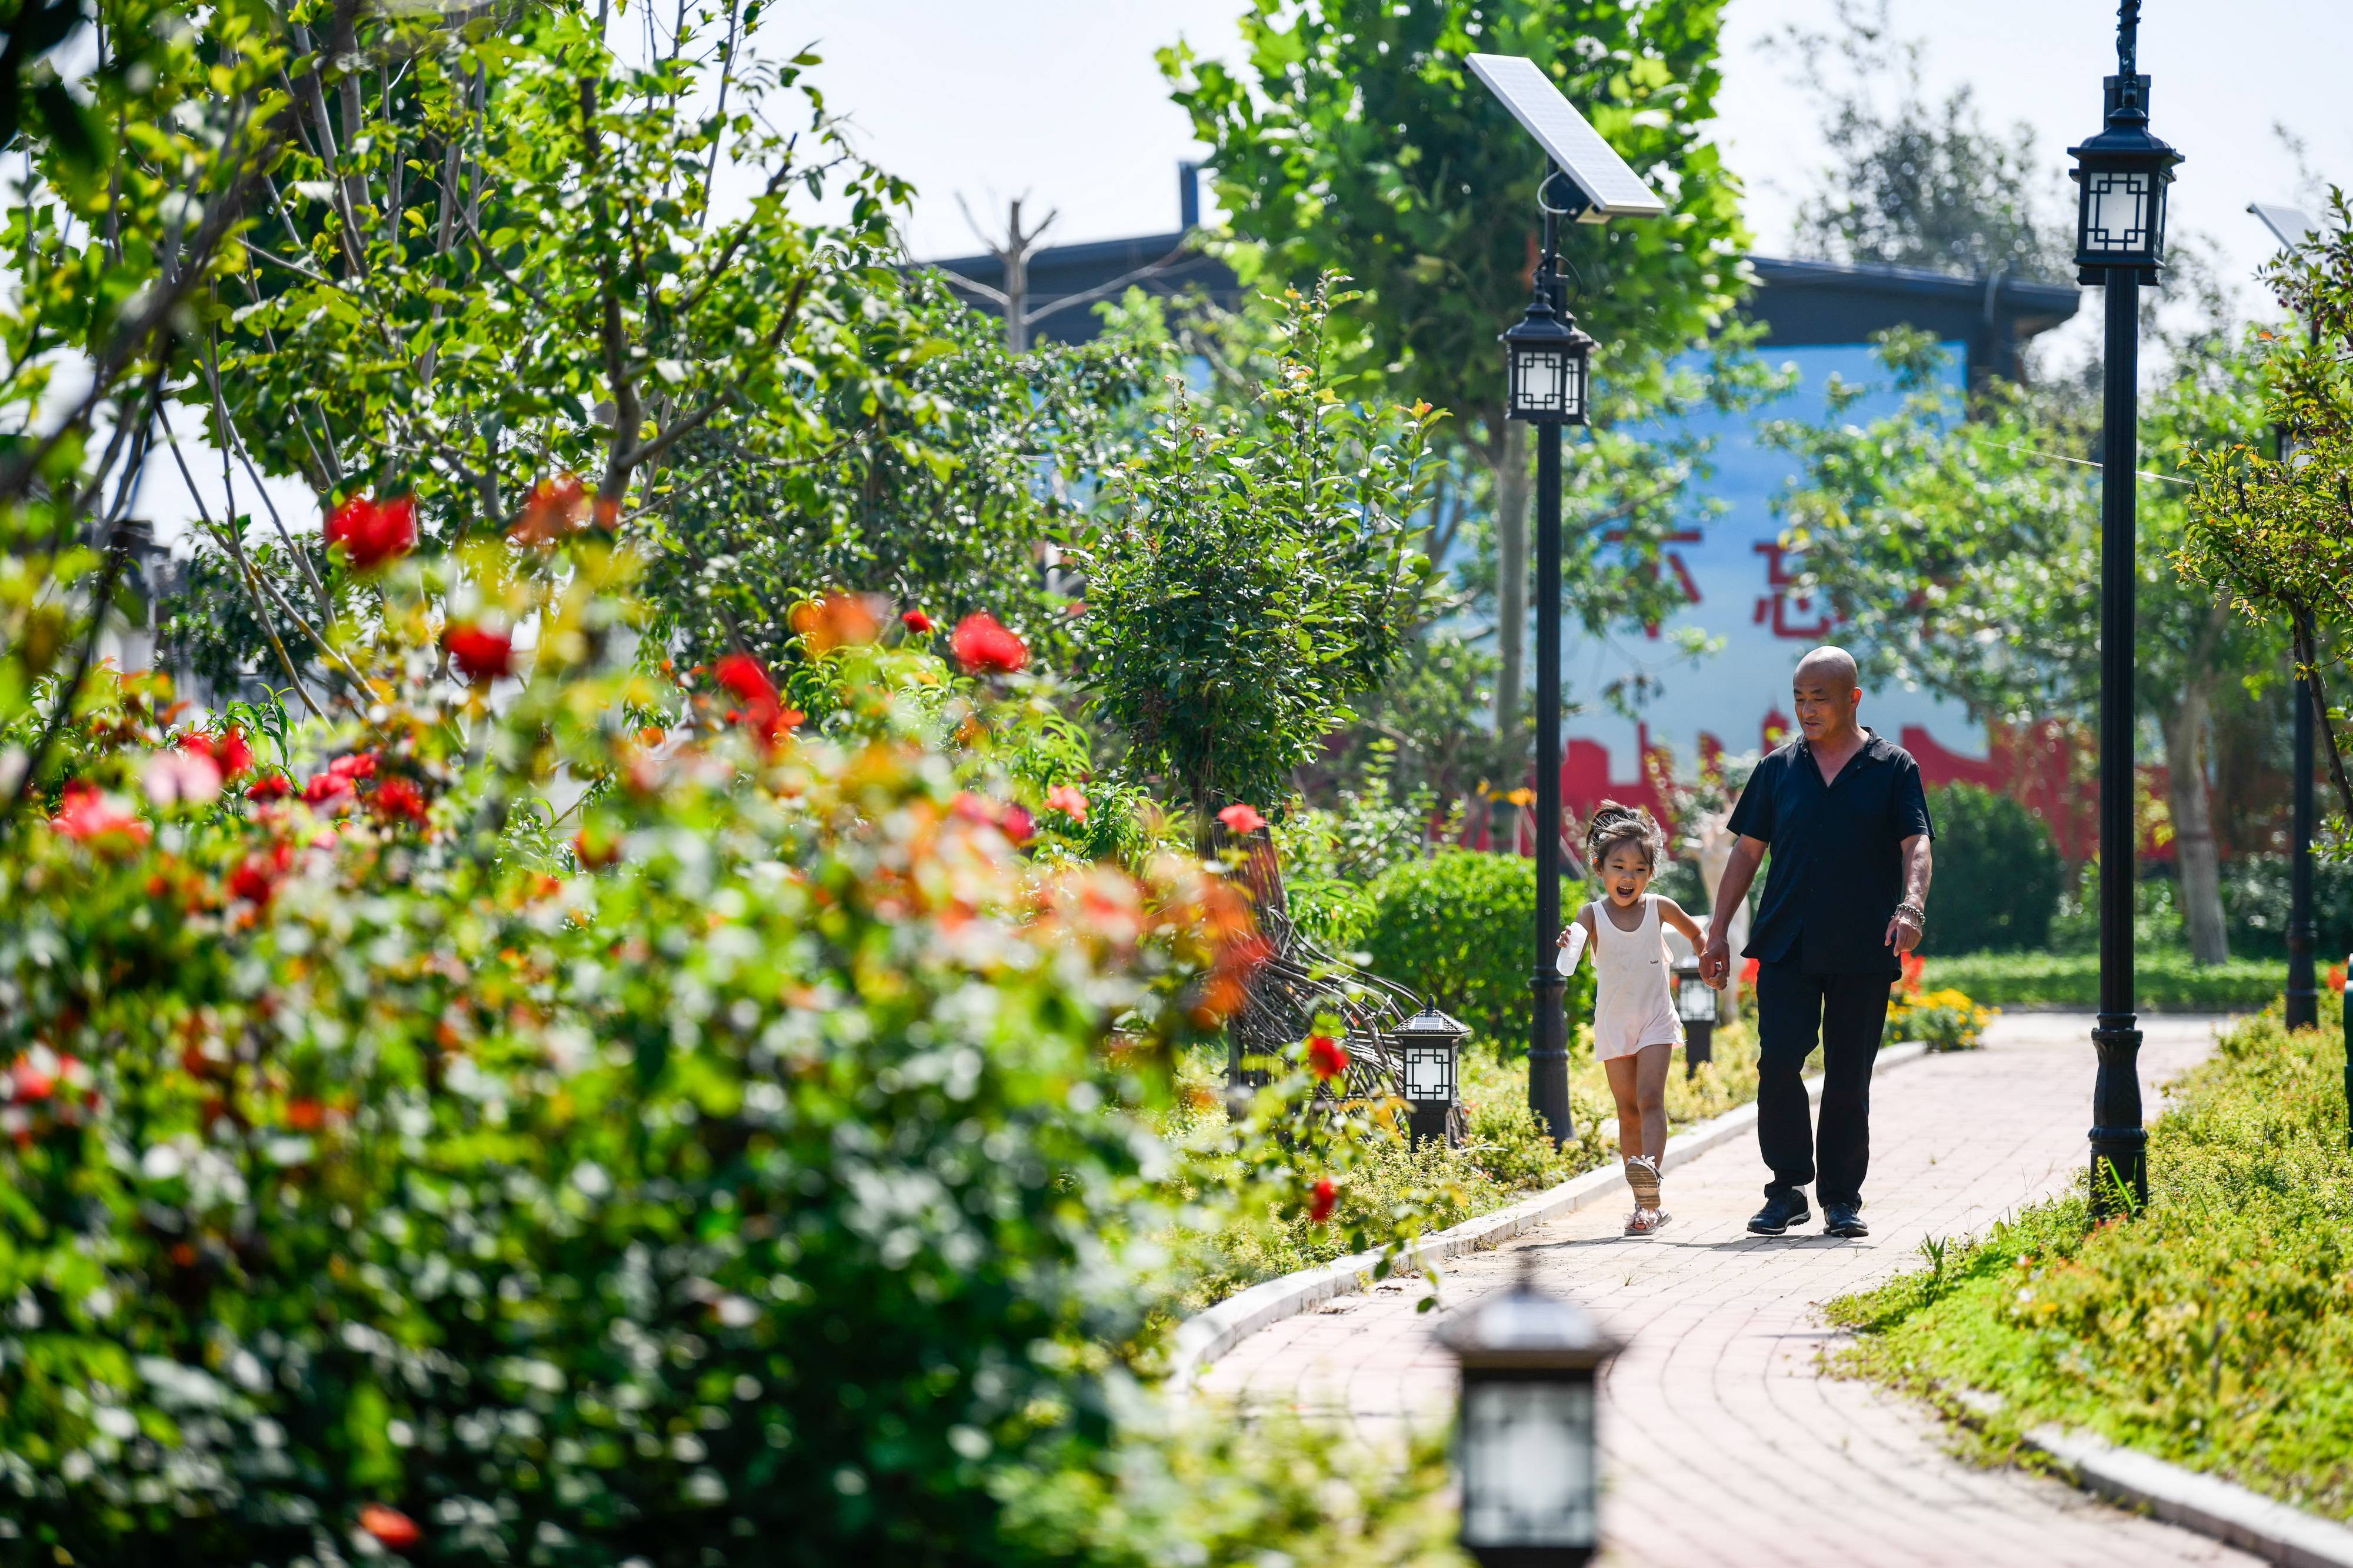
(1549, 364)
(2121, 175)
(1529, 1453)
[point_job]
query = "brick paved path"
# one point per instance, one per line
(1725, 1445)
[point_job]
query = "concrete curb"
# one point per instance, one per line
(1206, 1335)
(2274, 1532)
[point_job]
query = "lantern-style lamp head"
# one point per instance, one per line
(2122, 174)
(1429, 1053)
(1530, 1461)
(1549, 365)
(1695, 999)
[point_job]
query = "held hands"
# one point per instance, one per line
(1715, 963)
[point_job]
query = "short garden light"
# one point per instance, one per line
(1696, 1005)
(1429, 1052)
(1530, 1459)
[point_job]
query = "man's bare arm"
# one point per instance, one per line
(1739, 871)
(1904, 928)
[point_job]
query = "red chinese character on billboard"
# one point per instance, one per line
(1791, 615)
(1673, 558)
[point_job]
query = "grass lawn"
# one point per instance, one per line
(2166, 981)
(2214, 1330)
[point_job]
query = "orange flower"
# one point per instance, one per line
(1072, 803)
(1320, 1202)
(1914, 964)
(556, 508)
(390, 1526)
(1327, 1059)
(398, 799)
(836, 620)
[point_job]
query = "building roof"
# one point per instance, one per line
(1799, 302)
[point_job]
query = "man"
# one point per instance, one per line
(1844, 815)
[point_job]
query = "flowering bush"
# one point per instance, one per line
(1946, 1020)
(421, 1162)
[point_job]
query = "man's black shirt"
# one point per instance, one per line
(1837, 872)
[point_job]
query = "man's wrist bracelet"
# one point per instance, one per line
(1919, 916)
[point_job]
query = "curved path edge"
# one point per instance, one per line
(1202, 1338)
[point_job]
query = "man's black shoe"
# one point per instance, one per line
(1844, 1219)
(1779, 1214)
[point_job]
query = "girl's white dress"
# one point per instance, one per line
(1632, 1004)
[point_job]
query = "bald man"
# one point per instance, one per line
(1846, 820)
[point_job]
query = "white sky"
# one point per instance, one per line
(1060, 99)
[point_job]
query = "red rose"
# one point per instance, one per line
(1016, 825)
(255, 877)
(398, 799)
(373, 531)
(86, 815)
(390, 1526)
(27, 1081)
(1327, 1059)
(1320, 1202)
(269, 786)
(1240, 820)
(231, 753)
(321, 788)
(480, 653)
(741, 674)
(982, 644)
(917, 622)
(351, 769)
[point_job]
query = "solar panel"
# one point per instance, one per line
(1578, 151)
(2288, 225)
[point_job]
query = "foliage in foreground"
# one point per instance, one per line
(406, 1158)
(2214, 1330)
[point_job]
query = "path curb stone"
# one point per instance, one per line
(2274, 1532)
(1208, 1334)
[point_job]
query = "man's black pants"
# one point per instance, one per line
(1847, 1013)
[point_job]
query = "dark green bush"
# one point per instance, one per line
(1455, 929)
(1998, 874)
(2164, 980)
(2255, 897)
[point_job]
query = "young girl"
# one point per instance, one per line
(1635, 1029)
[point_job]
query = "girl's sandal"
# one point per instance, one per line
(1642, 1176)
(1643, 1222)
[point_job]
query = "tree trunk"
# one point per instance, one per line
(2195, 860)
(1511, 459)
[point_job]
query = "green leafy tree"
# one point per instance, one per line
(1957, 540)
(1918, 181)
(2274, 535)
(1253, 577)
(1354, 138)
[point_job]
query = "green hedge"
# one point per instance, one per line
(2164, 980)
(1455, 929)
(1998, 874)
(2214, 1330)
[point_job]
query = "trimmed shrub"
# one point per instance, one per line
(2164, 980)
(1454, 930)
(1998, 874)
